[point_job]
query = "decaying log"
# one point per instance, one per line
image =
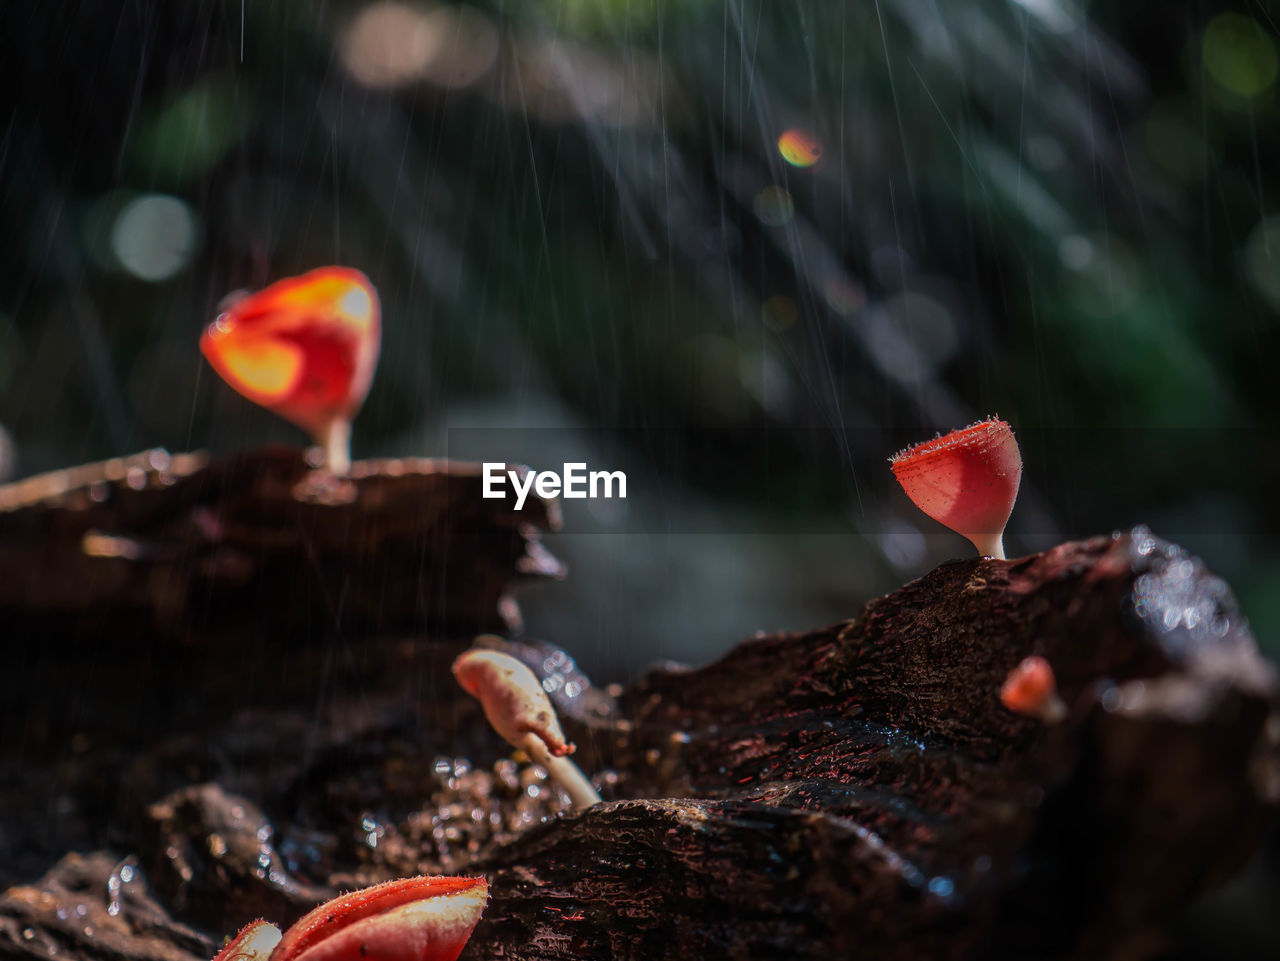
(183, 545)
(854, 791)
(961, 829)
(159, 594)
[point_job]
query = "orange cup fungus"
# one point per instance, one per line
(967, 480)
(1032, 690)
(305, 348)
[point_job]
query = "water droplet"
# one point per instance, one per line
(1110, 698)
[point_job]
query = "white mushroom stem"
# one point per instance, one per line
(335, 439)
(989, 545)
(563, 771)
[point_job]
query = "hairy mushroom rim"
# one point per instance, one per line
(966, 480)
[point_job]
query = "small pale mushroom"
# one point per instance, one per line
(412, 919)
(520, 711)
(1031, 690)
(966, 480)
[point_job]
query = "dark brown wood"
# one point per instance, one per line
(883, 738)
(853, 791)
(85, 908)
(182, 546)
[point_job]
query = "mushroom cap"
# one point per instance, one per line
(967, 479)
(1030, 687)
(513, 698)
(305, 348)
(413, 919)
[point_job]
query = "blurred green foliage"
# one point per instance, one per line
(1065, 213)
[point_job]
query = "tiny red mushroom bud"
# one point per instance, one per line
(520, 711)
(304, 348)
(1031, 689)
(255, 942)
(966, 480)
(413, 919)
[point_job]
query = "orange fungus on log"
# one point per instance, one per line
(967, 479)
(304, 348)
(1032, 690)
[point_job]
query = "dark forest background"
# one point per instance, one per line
(742, 248)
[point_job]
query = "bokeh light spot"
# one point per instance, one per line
(387, 44)
(910, 336)
(390, 44)
(154, 237)
(1075, 252)
(799, 148)
(1239, 55)
(1056, 16)
(844, 296)
(774, 207)
(468, 50)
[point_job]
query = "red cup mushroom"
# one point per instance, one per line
(1031, 690)
(518, 709)
(413, 919)
(304, 348)
(966, 480)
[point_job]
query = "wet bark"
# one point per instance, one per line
(182, 546)
(853, 791)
